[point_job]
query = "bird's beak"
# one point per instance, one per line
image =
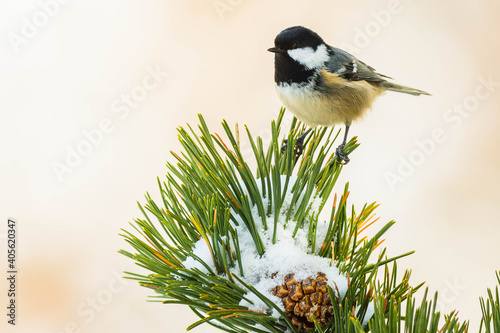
(276, 50)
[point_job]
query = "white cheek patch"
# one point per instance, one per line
(309, 57)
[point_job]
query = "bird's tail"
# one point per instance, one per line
(402, 89)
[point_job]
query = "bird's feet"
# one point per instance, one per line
(341, 156)
(299, 143)
(299, 146)
(285, 145)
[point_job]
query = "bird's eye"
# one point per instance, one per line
(294, 45)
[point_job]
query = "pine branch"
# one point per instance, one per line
(490, 309)
(193, 242)
(389, 317)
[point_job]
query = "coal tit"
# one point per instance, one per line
(323, 85)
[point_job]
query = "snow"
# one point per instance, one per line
(202, 251)
(288, 255)
(370, 310)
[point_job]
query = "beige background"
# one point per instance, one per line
(65, 79)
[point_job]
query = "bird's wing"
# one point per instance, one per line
(345, 65)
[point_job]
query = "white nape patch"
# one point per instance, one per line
(310, 58)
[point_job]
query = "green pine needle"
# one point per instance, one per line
(210, 192)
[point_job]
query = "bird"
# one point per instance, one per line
(323, 85)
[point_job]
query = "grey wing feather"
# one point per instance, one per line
(348, 67)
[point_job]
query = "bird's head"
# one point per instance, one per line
(302, 45)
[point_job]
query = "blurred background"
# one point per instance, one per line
(92, 92)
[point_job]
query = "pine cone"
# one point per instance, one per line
(305, 298)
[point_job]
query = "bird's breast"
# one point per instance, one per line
(309, 105)
(333, 101)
